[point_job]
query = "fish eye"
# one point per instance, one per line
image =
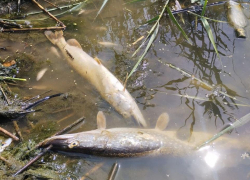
(73, 144)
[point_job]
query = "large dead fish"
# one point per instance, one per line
(127, 142)
(104, 81)
(236, 18)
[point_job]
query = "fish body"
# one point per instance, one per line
(236, 17)
(99, 76)
(130, 142)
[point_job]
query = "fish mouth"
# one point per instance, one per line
(61, 141)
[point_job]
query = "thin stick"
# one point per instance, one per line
(10, 24)
(66, 117)
(92, 171)
(183, 72)
(33, 160)
(9, 134)
(18, 130)
(32, 29)
(51, 15)
(114, 171)
(5, 160)
(51, 4)
(61, 110)
(49, 147)
(5, 97)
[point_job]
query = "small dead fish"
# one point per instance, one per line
(107, 44)
(5, 144)
(55, 51)
(236, 18)
(98, 75)
(41, 73)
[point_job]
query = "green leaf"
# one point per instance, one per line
(151, 40)
(177, 24)
(100, 10)
(210, 34)
(236, 124)
(204, 8)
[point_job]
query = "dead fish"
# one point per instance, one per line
(100, 77)
(5, 144)
(129, 142)
(107, 44)
(236, 18)
(41, 73)
(55, 51)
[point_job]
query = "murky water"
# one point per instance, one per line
(156, 87)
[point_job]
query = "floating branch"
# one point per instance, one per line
(183, 72)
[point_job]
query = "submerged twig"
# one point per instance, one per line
(31, 29)
(183, 72)
(5, 161)
(9, 134)
(11, 24)
(51, 3)
(18, 130)
(114, 170)
(51, 15)
(92, 171)
(5, 97)
(33, 160)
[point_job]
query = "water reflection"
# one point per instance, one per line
(157, 88)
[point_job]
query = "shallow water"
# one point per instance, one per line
(156, 87)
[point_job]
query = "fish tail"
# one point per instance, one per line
(54, 37)
(139, 118)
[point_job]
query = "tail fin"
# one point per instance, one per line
(139, 118)
(54, 37)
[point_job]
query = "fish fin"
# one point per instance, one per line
(101, 120)
(162, 121)
(53, 37)
(74, 42)
(97, 60)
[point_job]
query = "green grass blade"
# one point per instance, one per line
(204, 8)
(151, 40)
(134, 1)
(210, 34)
(177, 24)
(150, 32)
(236, 124)
(100, 10)
(153, 28)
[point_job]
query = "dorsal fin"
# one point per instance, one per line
(101, 120)
(162, 121)
(97, 60)
(74, 42)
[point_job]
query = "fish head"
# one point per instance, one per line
(63, 141)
